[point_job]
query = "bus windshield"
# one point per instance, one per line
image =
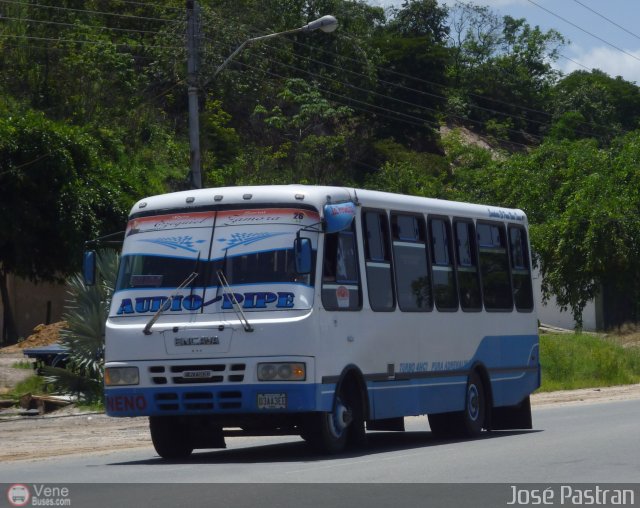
(252, 248)
(271, 266)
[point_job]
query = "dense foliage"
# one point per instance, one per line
(93, 115)
(86, 312)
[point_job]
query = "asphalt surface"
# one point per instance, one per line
(569, 444)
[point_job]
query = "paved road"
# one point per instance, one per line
(574, 443)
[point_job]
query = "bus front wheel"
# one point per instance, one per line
(329, 432)
(170, 437)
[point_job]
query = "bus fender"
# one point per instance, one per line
(351, 374)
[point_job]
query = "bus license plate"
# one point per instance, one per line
(272, 401)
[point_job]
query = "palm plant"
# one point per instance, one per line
(85, 313)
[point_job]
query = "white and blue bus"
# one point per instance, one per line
(322, 312)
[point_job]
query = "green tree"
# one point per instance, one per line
(85, 313)
(582, 203)
(55, 193)
(501, 69)
(593, 104)
(407, 172)
(413, 46)
(312, 130)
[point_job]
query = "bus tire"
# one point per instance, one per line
(170, 437)
(475, 411)
(443, 425)
(330, 432)
(467, 423)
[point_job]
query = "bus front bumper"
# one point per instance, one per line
(266, 398)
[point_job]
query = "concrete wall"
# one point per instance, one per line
(33, 304)
(550, 314)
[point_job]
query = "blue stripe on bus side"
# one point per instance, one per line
(512, 363)
(390, 399)
(519, 356)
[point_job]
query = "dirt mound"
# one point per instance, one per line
(43, 335)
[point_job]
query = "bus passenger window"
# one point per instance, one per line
(378, 261)
(494, 266)
(520, 269)
(467, 266)
(413, 280)
(340, 280)
(444, 279)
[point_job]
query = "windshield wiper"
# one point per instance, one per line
(168, 302)
(228, 292)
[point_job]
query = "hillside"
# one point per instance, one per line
(94, 115)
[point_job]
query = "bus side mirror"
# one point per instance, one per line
(89, 267)
(302, 250)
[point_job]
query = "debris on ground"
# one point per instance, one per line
(44, 403)
(43, 335)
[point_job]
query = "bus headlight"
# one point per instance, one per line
(121, 376)
(282, 371)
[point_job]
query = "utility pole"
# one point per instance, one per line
(193, 44)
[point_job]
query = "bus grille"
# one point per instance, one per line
(197, 374)
(198, 401)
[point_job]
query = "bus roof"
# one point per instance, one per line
(317, 197)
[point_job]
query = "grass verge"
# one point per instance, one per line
(572, 361)
(569, 362)
(34, 384)
(22, 364)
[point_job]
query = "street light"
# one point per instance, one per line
(326, 24)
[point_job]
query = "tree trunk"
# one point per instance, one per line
(9, 333)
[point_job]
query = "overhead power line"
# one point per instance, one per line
(67, 50)
(149, 4)
(343, 70)
(387, 97)
(362, 105)
(72, 25)
(575, 62)
(422, 80)
(140, 104)
(87, 11)
(415, 78)
(415, 91)
(583, 30)
(97, 43)
(607, 19)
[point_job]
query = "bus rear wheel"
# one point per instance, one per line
(170, 437)
(466, 423)
(475, 412)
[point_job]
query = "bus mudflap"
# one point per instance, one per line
(512, 417)
(394, 424)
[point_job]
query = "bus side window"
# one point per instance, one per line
(520, 268)
(444, 278)
(467, 266)
(494, 266)
(340, 279)
(413, 280)
(378, 260)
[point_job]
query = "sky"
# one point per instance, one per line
(612, 48)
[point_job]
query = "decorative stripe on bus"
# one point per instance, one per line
(385, 377)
